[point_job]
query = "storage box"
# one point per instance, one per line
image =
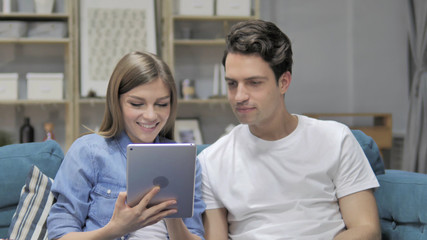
(12, 29)
(45, 86)
(8, 86)
(196, 7)
(233, 8)
(47, 30)
(25, 6)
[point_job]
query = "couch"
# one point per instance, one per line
(401, 198)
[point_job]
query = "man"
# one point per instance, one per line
(279, 175)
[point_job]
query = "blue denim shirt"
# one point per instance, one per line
(88, 183)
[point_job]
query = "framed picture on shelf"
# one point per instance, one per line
(188, 131)
(109, 29)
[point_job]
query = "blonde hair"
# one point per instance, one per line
(135, 69)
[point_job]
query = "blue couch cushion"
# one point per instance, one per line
(16, 161)
(371, 150)
(401, 200)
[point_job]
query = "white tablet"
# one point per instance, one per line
(172, 166)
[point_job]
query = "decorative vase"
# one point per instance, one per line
(26, 133)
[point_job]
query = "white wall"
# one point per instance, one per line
(349, 55)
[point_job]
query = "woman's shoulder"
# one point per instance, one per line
(91, 140)
(91, 137)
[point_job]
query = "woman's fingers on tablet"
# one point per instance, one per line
(147, 198)
(159, 216)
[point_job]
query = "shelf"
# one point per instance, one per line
(201, 42)
(92, 100)
(35, 40)
(44, 54)
(212, 18)
(32, 16)
(180, 101)
(32, 102)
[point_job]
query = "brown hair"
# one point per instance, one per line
(134, 69)
(264, 39)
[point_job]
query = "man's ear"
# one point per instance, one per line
(284, 82)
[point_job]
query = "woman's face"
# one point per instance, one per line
(146, 109)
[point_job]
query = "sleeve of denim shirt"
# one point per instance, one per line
(195, 224)
(71, 188)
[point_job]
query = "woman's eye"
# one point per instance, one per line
(163, 104)
(136, 104)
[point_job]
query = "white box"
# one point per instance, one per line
(196, 7)
(8, 86)
(45, 86)
(47, 30)
(233, 8)
(13, 29)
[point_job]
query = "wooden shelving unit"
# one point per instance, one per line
(73, 109)
(69, 56)
(172, 20)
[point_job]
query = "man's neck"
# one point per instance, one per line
(277, 129)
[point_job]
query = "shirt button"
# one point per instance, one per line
(109, 191)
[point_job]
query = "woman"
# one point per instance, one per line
(141, 105)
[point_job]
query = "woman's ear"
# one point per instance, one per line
(284, 82)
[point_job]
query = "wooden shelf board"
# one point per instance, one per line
(35, 40)
(212, 18)
(18, 15)
(201, 42)
(32, 102)
(180, 101)
(92, 100)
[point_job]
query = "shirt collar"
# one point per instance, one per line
(123, 141)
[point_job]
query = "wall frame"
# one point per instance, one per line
(188, 131)
(108, 30)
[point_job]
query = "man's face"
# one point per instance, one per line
(253, 93)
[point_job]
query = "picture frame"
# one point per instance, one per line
(109, 29)
(188, 131)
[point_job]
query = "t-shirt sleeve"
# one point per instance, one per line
(208, 194)
(354, 173)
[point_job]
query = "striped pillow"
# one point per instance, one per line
(29, 220)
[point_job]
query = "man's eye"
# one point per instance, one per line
(231, 84)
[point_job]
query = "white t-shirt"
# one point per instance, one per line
(285, 189)
(156, 231)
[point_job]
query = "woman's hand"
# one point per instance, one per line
(127, 219)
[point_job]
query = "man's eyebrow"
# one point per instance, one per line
(246, 79)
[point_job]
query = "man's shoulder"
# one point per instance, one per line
(225, 142)
(321, 126)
